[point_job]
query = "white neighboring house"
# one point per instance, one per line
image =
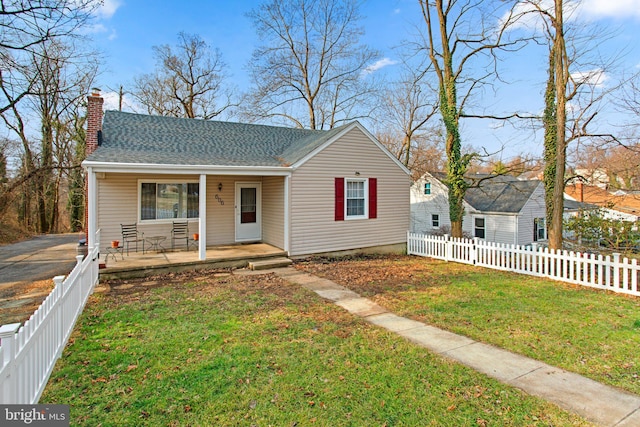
(501, 209)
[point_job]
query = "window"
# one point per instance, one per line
(539, 229)
(168, 200)
(356, 199)
(427, 188)
(435, 220)
(479, 227)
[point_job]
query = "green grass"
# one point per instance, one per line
(590, 332)
(259, 351)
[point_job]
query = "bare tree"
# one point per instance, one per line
(572, 98)
(188, 81)
(458, 36)
(26, 26)
(311, 69)
(407, 119)
(61, 76)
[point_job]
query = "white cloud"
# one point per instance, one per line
(379, 64)
(112, 101)
(596, 9)
(396, 11)
(590, 10)
(108, 9)
(95, 29)
(596, 78)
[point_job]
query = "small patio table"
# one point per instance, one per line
(155, 243)
(113, 251)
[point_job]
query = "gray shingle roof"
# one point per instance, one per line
(498, 193)
(138, 138)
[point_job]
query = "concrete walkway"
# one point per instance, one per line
(598, 403)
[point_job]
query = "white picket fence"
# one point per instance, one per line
(28, 353)
(597, 271)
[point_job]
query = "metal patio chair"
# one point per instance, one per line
(131, 236)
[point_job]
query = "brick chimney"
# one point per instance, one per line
(94, 120)
(580, 191)
(94, 125)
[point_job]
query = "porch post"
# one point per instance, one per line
(287, 214)
(202, 221)
(91, 207)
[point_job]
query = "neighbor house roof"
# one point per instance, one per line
(628, 203)
(145, 139)
(496, 193)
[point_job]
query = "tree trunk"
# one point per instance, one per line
(561, 79)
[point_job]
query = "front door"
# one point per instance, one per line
(248, 211)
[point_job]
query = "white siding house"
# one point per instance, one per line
(500, 209)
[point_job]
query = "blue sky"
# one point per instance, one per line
(127, 30)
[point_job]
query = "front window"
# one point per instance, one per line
(479, 228)
(168, 200)
(435, 220)
(356, 199)
(427, 188)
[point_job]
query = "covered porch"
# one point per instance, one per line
(118, 265)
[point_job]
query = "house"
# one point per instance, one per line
(500, 209)
(619, 205)
(303, 191)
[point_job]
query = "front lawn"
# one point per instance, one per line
(228, 350)
(590, 332)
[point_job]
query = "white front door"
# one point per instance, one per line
(248, 211)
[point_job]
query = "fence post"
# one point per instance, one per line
(474, 251)
(9, 377)
(448, 255)
(60, 315)
(616, 270)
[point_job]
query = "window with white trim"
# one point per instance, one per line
(427, 188)
(165, 200)
(539, 229)
(479, 228)
(356, 198)
(435, 220)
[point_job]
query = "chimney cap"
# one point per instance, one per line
(95, 91)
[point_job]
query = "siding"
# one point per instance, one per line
(313, 228)
(498, 228)
(423, 206)
(118, 204)
(534, 208)
(273, 211)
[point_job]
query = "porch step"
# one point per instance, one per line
(270, 263)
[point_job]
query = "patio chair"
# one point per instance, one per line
(131, 235)
(179, 232)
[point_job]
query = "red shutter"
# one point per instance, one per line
(339, 204)
(373, 197)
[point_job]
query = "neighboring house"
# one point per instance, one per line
(500, 209)
(304, 191)
(618, 205)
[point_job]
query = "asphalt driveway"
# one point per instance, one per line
(23, 268)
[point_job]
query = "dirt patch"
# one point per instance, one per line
(10, 233)
(18, 303)
(370, 275)
(219, 279)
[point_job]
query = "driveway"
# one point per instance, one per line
(26, 270)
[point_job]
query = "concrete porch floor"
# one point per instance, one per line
(137, 264)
